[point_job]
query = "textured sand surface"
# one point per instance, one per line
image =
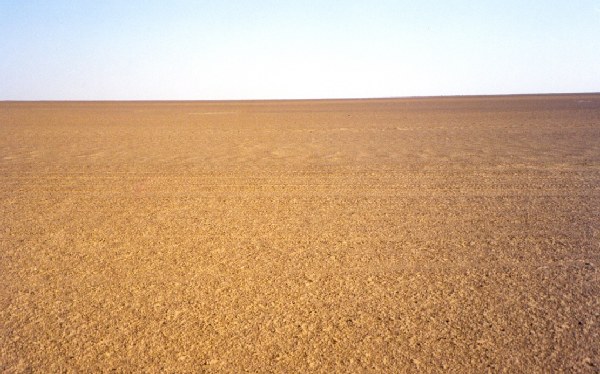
(410, 235)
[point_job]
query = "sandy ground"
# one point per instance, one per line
(410, 235)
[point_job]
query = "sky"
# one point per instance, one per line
(268, 49)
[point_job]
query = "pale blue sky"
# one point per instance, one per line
(219, 49)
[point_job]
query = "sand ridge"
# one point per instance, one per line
(391, 235)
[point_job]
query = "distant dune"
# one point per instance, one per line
(391, 235)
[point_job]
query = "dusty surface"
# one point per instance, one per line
(347, 236)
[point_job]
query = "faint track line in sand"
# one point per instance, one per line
(211, 113)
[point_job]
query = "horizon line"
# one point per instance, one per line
(452, 96)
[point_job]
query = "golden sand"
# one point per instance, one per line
(405, 235)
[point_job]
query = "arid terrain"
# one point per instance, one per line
(393, 235)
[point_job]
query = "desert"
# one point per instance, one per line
(442, 234)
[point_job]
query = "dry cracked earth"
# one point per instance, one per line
(394, 235)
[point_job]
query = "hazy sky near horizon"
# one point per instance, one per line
(218, 49)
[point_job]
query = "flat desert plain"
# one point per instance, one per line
(393, 235)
